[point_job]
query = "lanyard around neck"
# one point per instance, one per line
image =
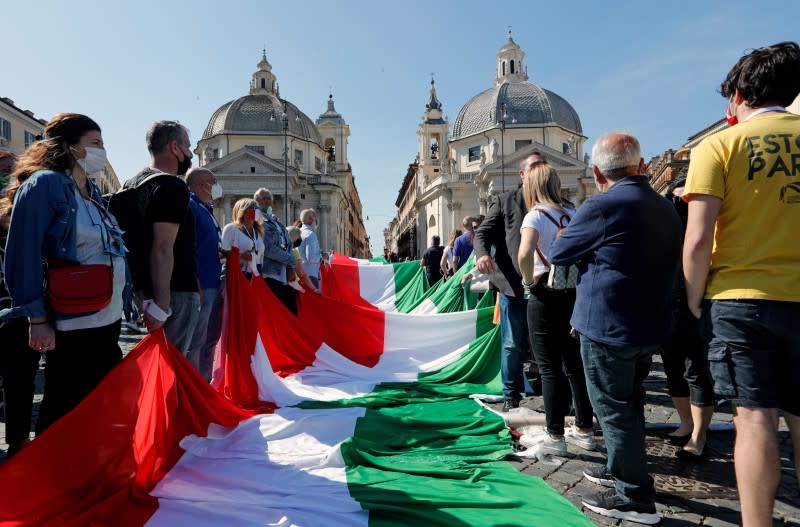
(779, 109)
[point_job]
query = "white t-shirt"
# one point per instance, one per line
(90, 233)
(233, 236)
(535, 219)
(448, 254)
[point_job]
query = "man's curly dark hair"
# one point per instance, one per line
(768, 75)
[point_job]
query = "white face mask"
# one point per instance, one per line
(94, 161)
(216, 191)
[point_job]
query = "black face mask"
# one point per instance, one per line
(185, 165)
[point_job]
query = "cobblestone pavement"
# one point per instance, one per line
(675, 508)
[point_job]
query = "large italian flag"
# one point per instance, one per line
(343, 416)
(400, 287)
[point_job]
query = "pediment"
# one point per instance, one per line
(556, 158)
(242, 161)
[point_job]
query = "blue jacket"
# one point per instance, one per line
(42, 228)
(207, 237)
(277, 248)
(627, 243)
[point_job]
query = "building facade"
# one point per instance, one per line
(263, 140)
(20, 128)
(460, 169)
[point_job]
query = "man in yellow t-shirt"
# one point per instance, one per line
(742, 255)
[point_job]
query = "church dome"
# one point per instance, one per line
(260, 115)
(526, 104)
(261, 112)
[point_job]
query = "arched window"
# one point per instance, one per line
(432, 221)
(264, 83)
(512, 66)
(504, 67)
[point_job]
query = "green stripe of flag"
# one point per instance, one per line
(442, 464)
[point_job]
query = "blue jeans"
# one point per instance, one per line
(514, 345)
(207, 332)
(614, 377)
(754, 352)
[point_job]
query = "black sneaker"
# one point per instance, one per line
(508, 404)
(599, 474)
(611, 504)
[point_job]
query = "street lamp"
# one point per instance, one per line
(502, 122)
(285, 122)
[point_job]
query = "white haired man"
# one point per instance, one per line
(310, 253)
(626, 241)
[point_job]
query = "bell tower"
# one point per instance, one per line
(433, 140)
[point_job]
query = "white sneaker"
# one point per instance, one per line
(580, 439)
(545, 444)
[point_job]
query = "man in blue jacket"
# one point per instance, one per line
(626, 241)
(203, 188)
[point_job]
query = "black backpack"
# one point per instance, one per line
(128, 206)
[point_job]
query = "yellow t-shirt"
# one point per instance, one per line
(754, 167)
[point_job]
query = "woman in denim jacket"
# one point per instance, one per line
(58, 214)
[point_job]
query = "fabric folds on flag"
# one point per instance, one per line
(344, 416)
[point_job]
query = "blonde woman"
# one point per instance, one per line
(549, 312)
(446, 262)
(245, 233)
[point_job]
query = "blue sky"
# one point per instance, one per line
(652, 68)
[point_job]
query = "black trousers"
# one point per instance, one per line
(558, 357)
(78, 363)
(18, 367)
(285, 294)
(684, 357)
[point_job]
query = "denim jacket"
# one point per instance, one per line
(277, 249)
(42, 227)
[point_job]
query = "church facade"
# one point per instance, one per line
(459, 168)
(263, 140)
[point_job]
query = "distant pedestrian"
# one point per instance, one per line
(446, 262)
(278, 265)
(431, 260)
(309, 248)
(303, 281)
(462, 248)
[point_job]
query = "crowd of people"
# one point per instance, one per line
(77, 262)
(706, 276)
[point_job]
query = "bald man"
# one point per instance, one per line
(627, 242)
(203, 188)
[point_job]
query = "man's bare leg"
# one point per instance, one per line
(757, 463)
